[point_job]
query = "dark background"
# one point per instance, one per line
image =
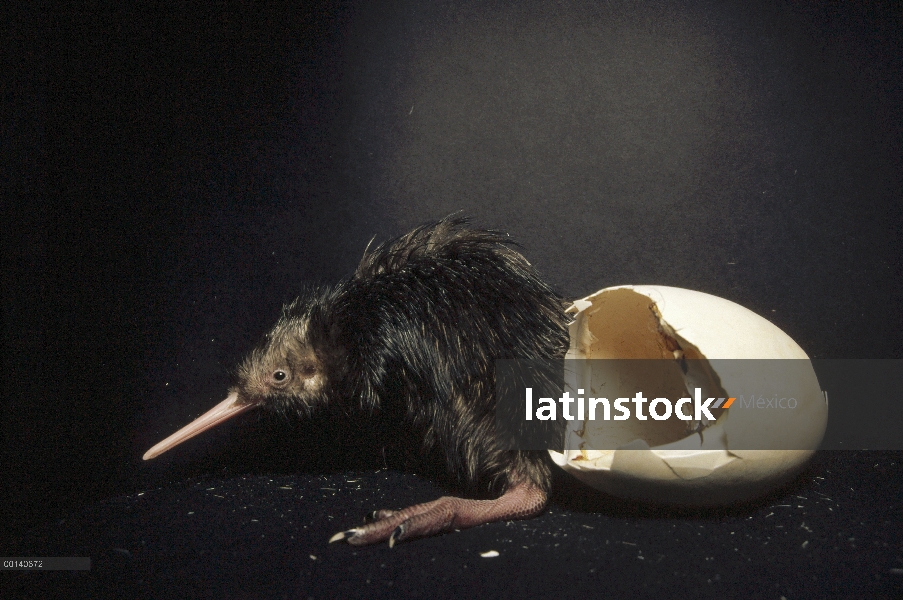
(172, 178)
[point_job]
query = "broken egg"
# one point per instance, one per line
(665, 461)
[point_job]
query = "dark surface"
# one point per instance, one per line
(171, 179)
(266, 537)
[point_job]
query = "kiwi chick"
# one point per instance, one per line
(416, 331)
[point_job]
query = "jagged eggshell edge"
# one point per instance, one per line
(687, 472)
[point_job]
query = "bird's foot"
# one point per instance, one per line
(445, 514)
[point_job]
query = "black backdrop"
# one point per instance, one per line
(173, 177)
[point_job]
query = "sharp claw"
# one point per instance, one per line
(344, 535)
(396, 535)
(378, 515)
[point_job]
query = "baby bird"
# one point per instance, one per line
(416, 331)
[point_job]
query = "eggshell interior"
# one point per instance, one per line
(657, 461)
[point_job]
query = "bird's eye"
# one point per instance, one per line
(279, 375)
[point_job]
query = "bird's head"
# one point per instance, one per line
(288, 372)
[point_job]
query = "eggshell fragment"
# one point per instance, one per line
(657, 461)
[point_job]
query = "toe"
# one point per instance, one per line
(397, 535)
(344, 535)
(378, 515)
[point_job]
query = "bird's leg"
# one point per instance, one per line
(521, 501)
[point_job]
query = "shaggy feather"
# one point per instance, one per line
(417, 329)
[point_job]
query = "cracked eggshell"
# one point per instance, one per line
(657, 461)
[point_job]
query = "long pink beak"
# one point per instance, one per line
(216, 415)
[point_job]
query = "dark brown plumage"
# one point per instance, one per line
(416, 330)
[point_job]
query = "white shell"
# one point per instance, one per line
(688, 471)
